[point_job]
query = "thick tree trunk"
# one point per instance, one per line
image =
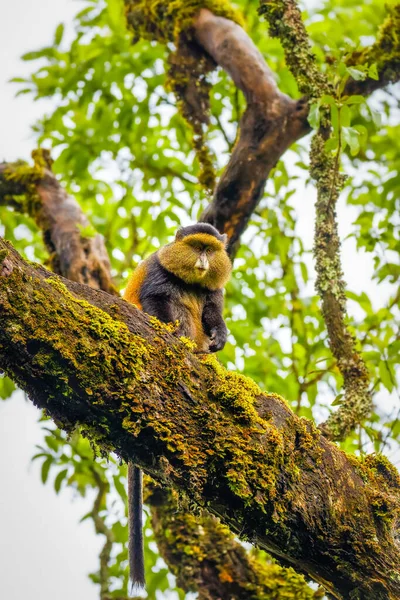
(242, 454)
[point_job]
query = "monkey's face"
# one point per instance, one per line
(198, 258)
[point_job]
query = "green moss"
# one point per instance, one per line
(163, 328)
(385, 52)
(202, 552)
(189, 343)
(248, 478)
(285, 23)
(383, 485)
(165, 21)
(28, 177)
(188, 65)
(3, 255)
(235, 390)
(220, 449)
(108, 347)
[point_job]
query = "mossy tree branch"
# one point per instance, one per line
(219, 25)
(90, 359)
(272, 120)
(21, 188)
(271, 123)
(207, 559)
(385, 53)
(285, 22)
(36, 192)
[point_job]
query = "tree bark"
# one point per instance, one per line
(271, 123)
(228, 571)
(77, 256)
(92, 360)
(207, 559)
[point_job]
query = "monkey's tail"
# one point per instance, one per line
(135, 526)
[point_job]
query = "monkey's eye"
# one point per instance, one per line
(210, 250)
(196, 246)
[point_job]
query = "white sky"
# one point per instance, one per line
(43, 552)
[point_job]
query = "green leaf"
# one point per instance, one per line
(355, 100)
(343, 81)
(47, 52)
(59, 479)
(376, 117)
(39, 455)
(114, 13)
(357, 74)
(338, 400)
(31, 55)
(351, 137)
(362, 130)
(314, 116)
(331, 144)
(345, 116)
(335, 119)
(373, 72)
(59, 34)
(7, 387)
(51, 442)
(24, 91)
(304, 271)
(46, 468)
(385, 375)
(326, 99)
(88, 515)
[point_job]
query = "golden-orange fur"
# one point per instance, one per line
(180, 257)
(132, 292)
(195, 306)
(182, 282)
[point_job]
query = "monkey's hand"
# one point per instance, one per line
(218, 337)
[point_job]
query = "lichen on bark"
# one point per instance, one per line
(285, 22)
(357, 402)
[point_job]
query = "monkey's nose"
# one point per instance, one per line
(202, 262)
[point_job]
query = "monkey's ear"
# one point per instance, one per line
(179, 234)
(225, 239)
